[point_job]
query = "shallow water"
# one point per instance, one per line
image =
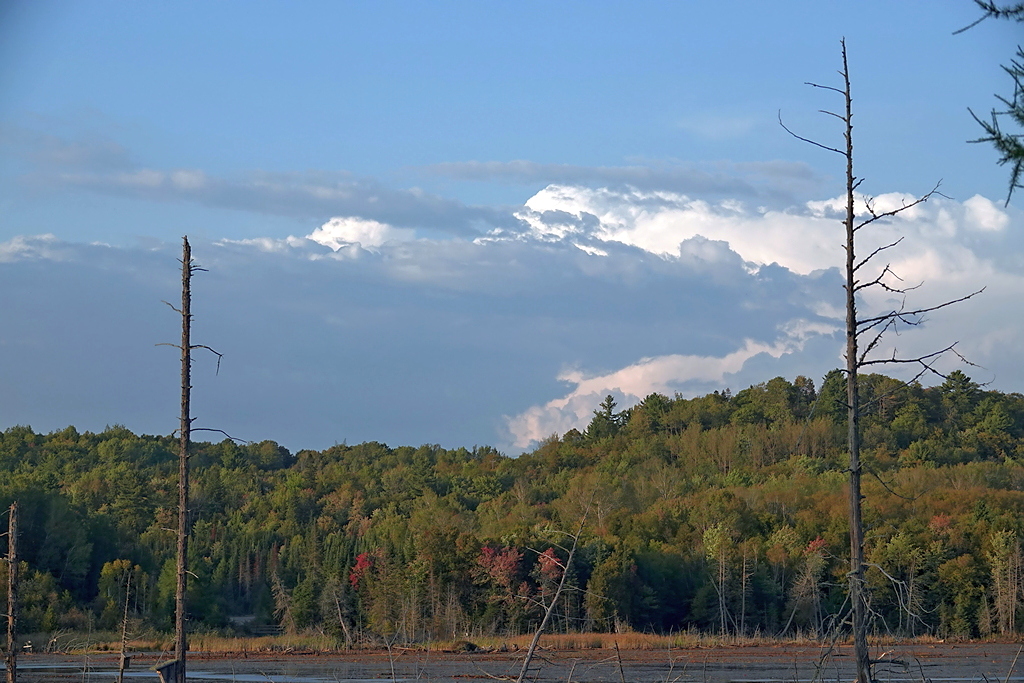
(937, 663)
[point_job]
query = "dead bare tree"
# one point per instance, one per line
(188, 267)
(554, 599)
(11, 658)
(124, 659)
(863, 337)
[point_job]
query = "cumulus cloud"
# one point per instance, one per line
(659, 222)
(801, 238)
(950, 248)
(666, 375)
(365, 329)
(24, 247)
(383, 344)
(344, 231)
(983, 214)
(270, 244)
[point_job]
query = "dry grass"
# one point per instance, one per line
(317, 642)
(74, 642)
(633, 640)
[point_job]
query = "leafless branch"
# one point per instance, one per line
(875, 253)
(879, 281)
(888, 322)
(925, 361)
(892, 212)
(173, 307)
(211, 350)
(807, 140)
(1013, 664)
(875, 341)
(889, 488)
(917, 312)
(220, 431)
(902, 385)
(554, 600)
(825, 87)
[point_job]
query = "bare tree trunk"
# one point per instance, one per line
(341, 620)
(554, 601)
(723, 609)
(175, 670)
(180, 641)
(11, 660)
(1015, 582)
(123, 662)
(858, 596)
(747, 573)
(856, 358)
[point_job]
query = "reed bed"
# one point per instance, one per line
(312, 642)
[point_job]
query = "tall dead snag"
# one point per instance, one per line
(862, 274)
(532, 650)
(184, 444)
(11, 658)
(125, 658)
(184, 441)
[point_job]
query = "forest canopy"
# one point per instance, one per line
(725, 512)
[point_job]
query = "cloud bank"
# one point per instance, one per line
(949, 248)
(366, 328)
(666, 375)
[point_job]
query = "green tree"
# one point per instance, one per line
(1007, 143)
(832, 397)
(114, 590)
(960, 396)
(606, 421)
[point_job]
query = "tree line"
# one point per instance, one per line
(724, 513)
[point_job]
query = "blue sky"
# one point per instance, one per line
(467, 222)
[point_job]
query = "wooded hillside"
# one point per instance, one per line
(725, 512)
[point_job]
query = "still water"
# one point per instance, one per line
(914, 663)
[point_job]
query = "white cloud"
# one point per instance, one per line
(270, 244)
(24, 247)
(343, 231)
(659, 222)
(801, 239)
(949, 248)
(983, 214)
(593, 251)
(188, 180)
(648, 291)
(663, 374)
